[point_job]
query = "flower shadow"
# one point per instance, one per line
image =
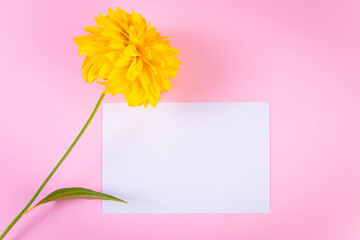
(208, 67)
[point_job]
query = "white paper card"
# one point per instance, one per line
(187, 158)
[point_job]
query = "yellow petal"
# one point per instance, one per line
(129, 55)
(135, 68)
(92, 29)
(117, 43)
(130, 50)
(105, 70)
(145, 51)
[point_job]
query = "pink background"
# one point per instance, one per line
(302, 56)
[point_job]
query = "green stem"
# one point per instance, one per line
(54, 170)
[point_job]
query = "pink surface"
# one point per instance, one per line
(302, 56)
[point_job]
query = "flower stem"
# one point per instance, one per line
(54, 170)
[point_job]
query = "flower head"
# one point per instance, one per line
(129, 55)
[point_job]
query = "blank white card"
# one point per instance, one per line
(187, 158)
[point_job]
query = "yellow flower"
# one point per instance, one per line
(129, 55)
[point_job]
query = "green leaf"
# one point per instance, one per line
(76, 193)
